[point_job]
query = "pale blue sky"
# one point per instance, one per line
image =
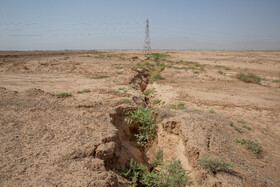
(120, 24)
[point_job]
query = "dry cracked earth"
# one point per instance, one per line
(86, 139)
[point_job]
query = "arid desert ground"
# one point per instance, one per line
(63, 115)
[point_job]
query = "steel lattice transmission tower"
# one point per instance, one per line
(147, 45)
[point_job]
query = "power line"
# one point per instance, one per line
(147, 41)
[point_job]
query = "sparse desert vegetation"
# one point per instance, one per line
(63, 95)
(249, 78)
(247, 127)
(156, 101)
(170, 174)
(235, 127)
(84, 91)
(212, 111)
(127, 101)
(109, 118)
(179, 106)
(214, 164)
(250, 144)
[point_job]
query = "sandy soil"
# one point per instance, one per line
(85, 139)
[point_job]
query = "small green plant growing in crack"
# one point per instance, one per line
(153, 69)
(158, 160)
(170, 174)
(63, 95)
(147, 126)
(134, 172)
(214, 164)
(83, 91)
(250, 144)
(126, 101)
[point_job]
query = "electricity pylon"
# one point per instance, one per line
(147, 45)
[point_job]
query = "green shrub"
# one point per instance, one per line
(134, 172)
(173, 106)
(249, 78)
(63, 95)
(154, 70)
(155, 75)
(191, 67)
(250, 144)
(247, 127)
(220, 66)
(156, 101)
(238, 129)
(158, 160)
(214, 164)
(83, 91)
(179, 67)
(212, 111)
(171, 174)
(144, 117)
(144, 65)
(241, 121)
(179, 106)
(127, 101)
(122, 89)
(159, 55)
